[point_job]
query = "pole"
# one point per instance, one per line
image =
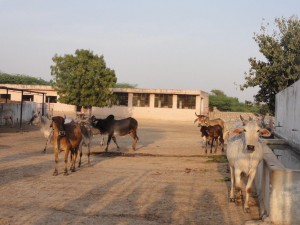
(43, 105)
(21, 109)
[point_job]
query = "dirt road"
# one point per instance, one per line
(167, 180)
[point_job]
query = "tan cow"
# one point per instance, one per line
(205, 121)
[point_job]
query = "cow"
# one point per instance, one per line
(113, 127)
(244, 152)
(67, 138)
(87, 136)
(212, 133)
(43, 122)
(7, 115)
(205, 121)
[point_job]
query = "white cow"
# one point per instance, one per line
(244, 152)
(44, 124)
(8, 115)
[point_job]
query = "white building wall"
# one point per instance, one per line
(287, 114)
(201, 104)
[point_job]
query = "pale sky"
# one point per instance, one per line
(169, 44)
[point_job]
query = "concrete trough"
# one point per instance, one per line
(278, 183)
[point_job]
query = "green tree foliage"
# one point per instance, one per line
(6, 78)
(83, 79)
(281, 67)
(125, 85)
(219, 99)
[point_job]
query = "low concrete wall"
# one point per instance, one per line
(146, 113)
(15, 109)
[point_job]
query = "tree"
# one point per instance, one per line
(125, 85)
(281, 67)
(83, 79)
(6, 78)
(219, 99)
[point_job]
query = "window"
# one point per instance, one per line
(5, 96)
(186, 101)
(141, 100)
(51, 99)
(28, 98)
(121, 99)
(163, 101)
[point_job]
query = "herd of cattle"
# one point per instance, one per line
(244, 147)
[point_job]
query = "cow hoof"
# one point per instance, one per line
(55, 173)
(65, 172)
(247, 210)
(238, 202)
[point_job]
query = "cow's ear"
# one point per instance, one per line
(196, 120)
(264, 133)
(236, 131)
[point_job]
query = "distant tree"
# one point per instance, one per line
(217, 92)
(125, 85)
(281, 67)
(219, 99)
(6, 78)
(83, 79)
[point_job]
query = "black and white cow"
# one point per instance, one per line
(113, 127)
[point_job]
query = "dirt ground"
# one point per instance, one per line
(167, 180)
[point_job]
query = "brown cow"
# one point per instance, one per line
(213, 133)
(67, 138)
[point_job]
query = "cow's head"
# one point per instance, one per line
(201, 120)
(35, 119)
(251, 131)
(57, 123)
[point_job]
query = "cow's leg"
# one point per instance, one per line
(80, 154)
(231, 197)
(248, 190)
(48, 140)
(89, 152)
(206, 145)
(238, 187)
(66, 161)
(135, 139)
(12, 121)
(222, 142)
(101, 139)
(115, 140)
(217, 144)
(108, 141)
(44, 151)
(203, 141)
(55, 173)
(73, 162)
(211, 145)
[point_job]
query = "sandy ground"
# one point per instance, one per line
(167, 180)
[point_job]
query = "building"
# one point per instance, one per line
(166, 104)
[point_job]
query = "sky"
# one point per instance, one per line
(165, 44)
